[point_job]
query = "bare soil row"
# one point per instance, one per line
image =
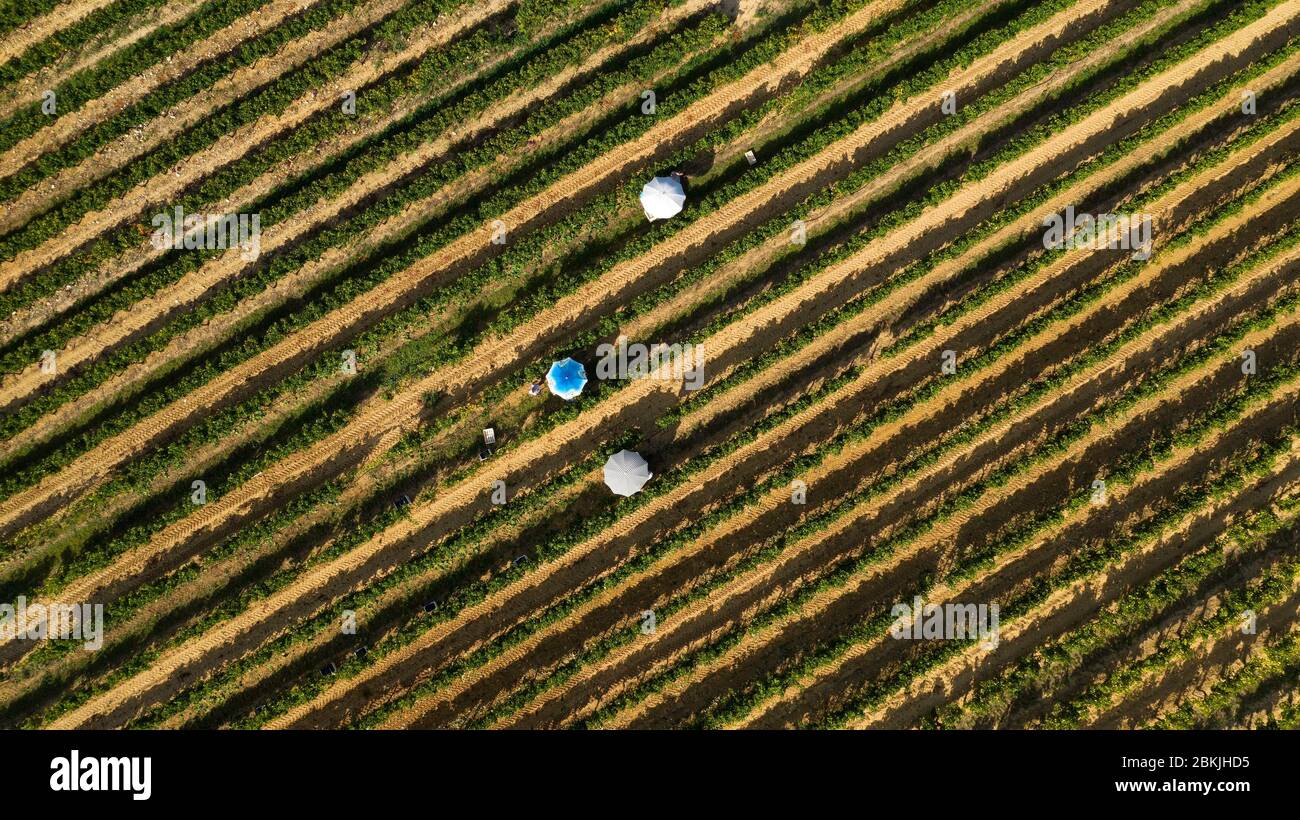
(103, 45)
(1079, 397)
(1077, 601)
(34, 31)
(148, 315)
(917, 559)
(809, 427)
(717, 104)
(69, 125)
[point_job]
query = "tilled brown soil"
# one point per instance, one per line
(635, 601)
(1099, 382)
(935, 381)
(403, 289)
(1066, 608)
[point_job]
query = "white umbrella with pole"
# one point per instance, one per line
(662, 198)
(626, 472)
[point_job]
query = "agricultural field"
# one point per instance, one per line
(966, 376)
